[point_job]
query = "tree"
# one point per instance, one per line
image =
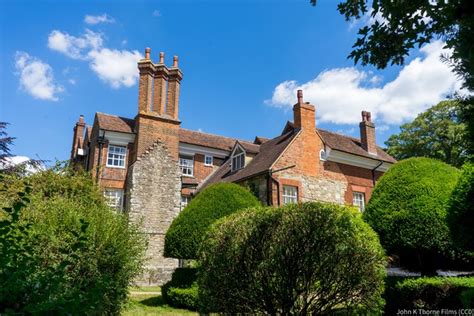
(400, 25)
(300, 259)
(62, 249)
(436, 133)
(6, 166)
(5, 143)
(408, 210)
(187, 231)
(461, 210)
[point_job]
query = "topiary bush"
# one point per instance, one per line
(461, 210)
(63, 250)
(182, 291)
(189, 228)
(408, 211)
(305, 259)
(429, 293)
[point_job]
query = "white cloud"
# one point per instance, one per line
(157, 13)
(72, 46)
(96, 19)
(21, 160)
(117, 68)
(340, 94)
(36, 77)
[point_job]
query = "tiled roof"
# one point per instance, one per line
(269, 153)
(352, 145)
(214, 141)
(115, 123)
(260, 140)
(126, 125)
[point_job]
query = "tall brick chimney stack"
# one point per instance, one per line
(158, 103)
(78, 140)
(174, 82)
(160, 84)
(304, 114)
(146, 69)
(367, 133)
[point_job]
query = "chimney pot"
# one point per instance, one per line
(175, 61)
(367, 133)
(147, 52)
(81, 118)
(162, 57)
(299, 95)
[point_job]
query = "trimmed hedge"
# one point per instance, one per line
(461, 210)
(189, 228)
(305, 259)
(429, 293)
(182, 291)
(408, 211)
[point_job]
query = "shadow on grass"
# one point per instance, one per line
(153, 301)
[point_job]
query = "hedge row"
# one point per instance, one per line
(428, 293)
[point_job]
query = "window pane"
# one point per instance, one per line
(290, 194)
(116, 156)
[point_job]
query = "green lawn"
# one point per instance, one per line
(150, 304)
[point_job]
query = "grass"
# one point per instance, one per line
(145, 289)
(150, 304)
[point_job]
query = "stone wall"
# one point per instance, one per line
(153, 201)
(319, 188)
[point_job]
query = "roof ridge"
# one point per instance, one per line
(216, 135)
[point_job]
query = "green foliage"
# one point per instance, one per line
(63, 249)
(429, 293)
(436, 133)
(189, 228)
(182, 291)
(305, 259)
(400, 25)
(408, 210)
(461, 210)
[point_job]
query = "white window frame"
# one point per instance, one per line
(358, 200)
(290, 194)
(211, 163)
(116, 156)
(186, 164)
(185, 199)
(114, 198)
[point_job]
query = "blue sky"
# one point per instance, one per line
(242, 63)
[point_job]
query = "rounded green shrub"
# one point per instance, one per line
(63, 250)
(182, 291)
(461, 210)
(306, 259)
(189, 228)
(408, 211)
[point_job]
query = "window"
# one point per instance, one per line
(116, 156)
(208, 161)
(358, 199)
(114, 198)
(187, 166)
(185, 200)
(290, 194)
(238, 159)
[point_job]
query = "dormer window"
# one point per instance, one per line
(238, 159)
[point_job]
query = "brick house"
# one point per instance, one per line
(150, 167)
